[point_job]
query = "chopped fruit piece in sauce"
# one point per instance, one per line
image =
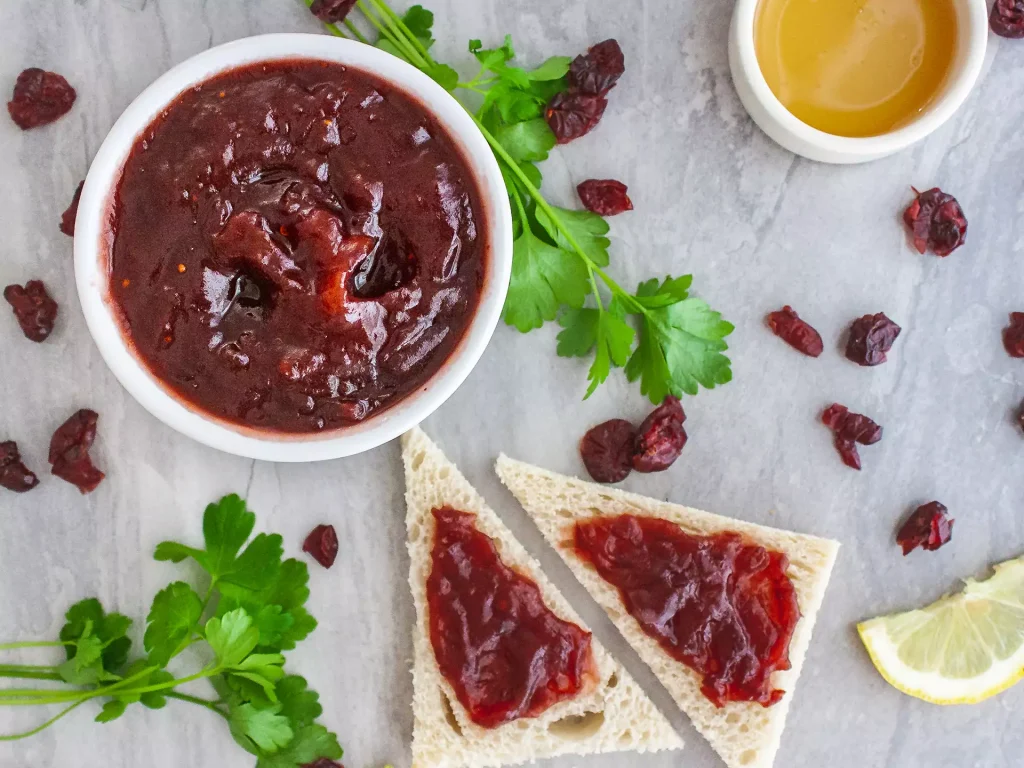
(721, 604)
(928, 527)
(322, 545)
(607, 450)
(787, 325)
(871, 337)
(40, 98)
(605, 197)
(35, 309)
(67, 219)
(69, 451)
(848, 429)
(14, 475)
(936, 222)
(1013, 335)
(503, 651)
(1007, 19)
(661, 437)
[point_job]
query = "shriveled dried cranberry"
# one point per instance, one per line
(1007, 19)
(849, 429)
(322, 544)
(661, 437)
(1020, 415)
(67, 219)
(332, 11)
(323, 762)
(871, 337)
(1013, 335)
(787, 325)
(572, 114)
(14, 475)
(69, 451)
(40, 98)
(598, 70)
(936, 221)
(35, 309)
(928, 527)
(605, 197)
(607, 450)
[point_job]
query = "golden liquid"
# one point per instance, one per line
(855, 67)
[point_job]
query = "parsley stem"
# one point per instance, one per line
(29, 673)
(398, 22)
(410, 53)
(211, 705)
(35, 644)
(15, 697)
(355, 32)
(44, 726)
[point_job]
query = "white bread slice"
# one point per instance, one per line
(744, 734)
(615, 716)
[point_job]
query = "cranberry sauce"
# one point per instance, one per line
(506, 654)
(296, 245)
(720, 604)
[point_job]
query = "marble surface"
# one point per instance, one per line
(756, 226)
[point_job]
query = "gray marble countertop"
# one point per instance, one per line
(756, 226)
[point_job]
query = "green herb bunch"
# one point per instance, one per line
(253, 609)
(666, 339)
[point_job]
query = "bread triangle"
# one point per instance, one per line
(744, 734)
(616, 716)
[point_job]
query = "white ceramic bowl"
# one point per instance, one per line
(91, 248)
(796, 136)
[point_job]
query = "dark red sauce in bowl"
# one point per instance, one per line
(295, 246)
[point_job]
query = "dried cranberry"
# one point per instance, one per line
(332, 11)
(572, 114)
(607, 451)
(787, 325)
(936, 221)
(1020, 415)
(871, 337)
(661, 437)
(598, 70)
(605, 197)
(929, 527)
(1013, 335)
(322, 544)
(849, 429)
(40, 98)
(67, 220)
(35, 310)
(323, 762)
(14, 475)
(1007, 19)
(69, 451)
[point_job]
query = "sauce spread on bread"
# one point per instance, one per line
(503, 651)
(296, 246)
(721, 604)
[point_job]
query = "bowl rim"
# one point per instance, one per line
(968, 63)
(92, 242)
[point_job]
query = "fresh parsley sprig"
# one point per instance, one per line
(252, 609)
(669, 341)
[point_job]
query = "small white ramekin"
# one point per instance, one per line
(92, 246)
(796, 136)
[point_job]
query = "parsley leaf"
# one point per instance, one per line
(227, 525)
(588, 229)
(172, 619)
(554, 68)
(544, 278)
(309, 743)
(87, 618)
(277, 609)
(260, 730)
(232, 637)
(681, 345)
(112, 710)
(606, 330)
(527, 141)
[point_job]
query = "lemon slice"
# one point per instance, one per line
(960, 650)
